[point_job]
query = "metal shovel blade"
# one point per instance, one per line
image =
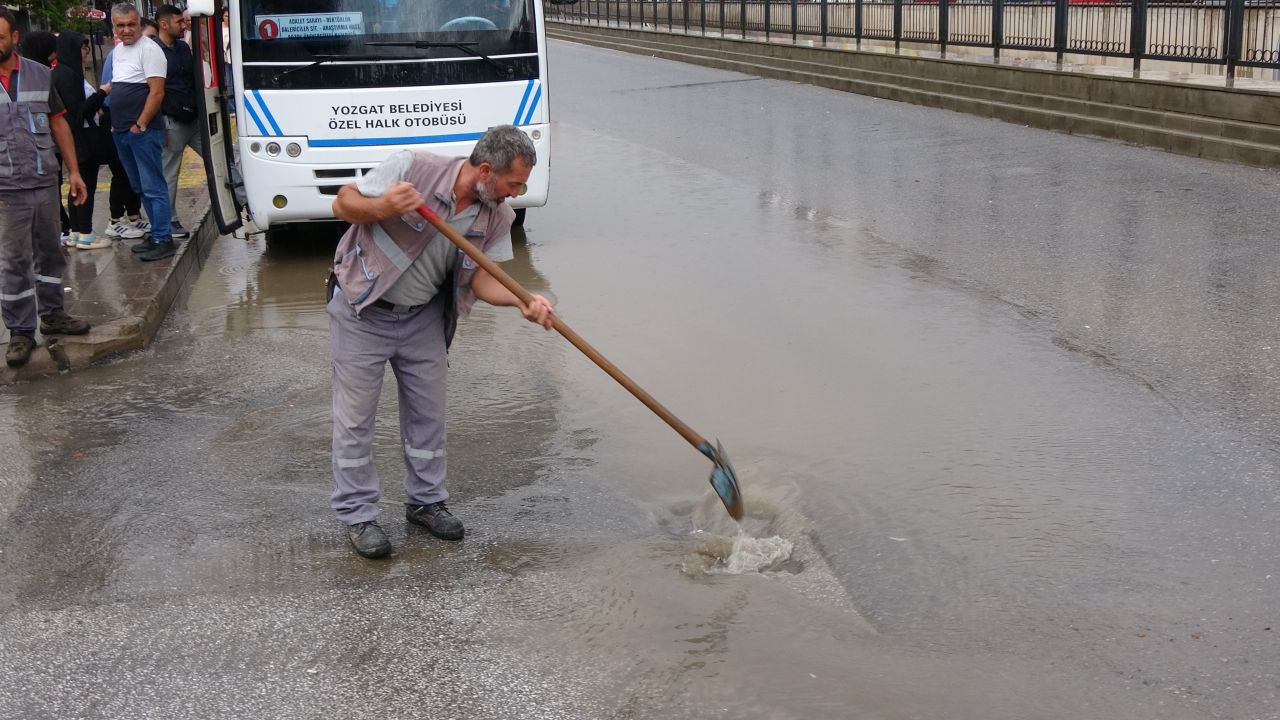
(723, 479)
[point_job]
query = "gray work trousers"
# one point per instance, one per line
(31, 259)
(178, 136)
(413, 342)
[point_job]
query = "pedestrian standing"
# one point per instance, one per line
(179, 108)
(396, 293)
(69, 81)
(126, 205)
(31, 261)
(137, 91)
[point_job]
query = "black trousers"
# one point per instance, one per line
(122, 198)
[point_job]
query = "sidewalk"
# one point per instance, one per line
(123, 298)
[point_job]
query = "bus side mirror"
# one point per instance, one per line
(200, 8)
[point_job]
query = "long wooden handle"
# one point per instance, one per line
(509, 283)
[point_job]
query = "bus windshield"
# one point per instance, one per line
(298, 30)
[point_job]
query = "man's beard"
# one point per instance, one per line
(488, 193)
(4, 56)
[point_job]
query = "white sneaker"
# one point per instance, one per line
(69, 240)
(142, 225)
(122, 228)
(92, 242)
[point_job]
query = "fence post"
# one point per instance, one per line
(897, 24)
(944, 16)
(857, 24)
(997, 26)
(1234, 45)
(671, 10)
(795, 16)
(1138, 34)
(721, 19)
(1060, 28)
(768, 19)
(824, 21)
(742, 16)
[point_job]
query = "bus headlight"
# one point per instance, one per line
(536, 134)
(280, 201)
(255, 147)
(273, 149)
(524, 188)
(293, 149)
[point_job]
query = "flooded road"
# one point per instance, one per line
(988, 518)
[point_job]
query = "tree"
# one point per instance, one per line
(62, 15)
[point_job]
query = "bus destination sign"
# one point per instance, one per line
(271, 27)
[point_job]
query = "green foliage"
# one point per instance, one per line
(54, 15)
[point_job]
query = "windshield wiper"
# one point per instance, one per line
(466, 47)
(322, 59)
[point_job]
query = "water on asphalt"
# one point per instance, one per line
(950, 514)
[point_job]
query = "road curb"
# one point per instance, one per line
(147, 296)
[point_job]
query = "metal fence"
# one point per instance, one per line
(1221, 32)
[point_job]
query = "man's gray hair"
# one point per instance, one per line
(124, 9)
(501, 146)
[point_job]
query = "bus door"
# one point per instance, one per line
(225, 186)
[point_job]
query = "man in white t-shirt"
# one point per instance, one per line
(138, 73)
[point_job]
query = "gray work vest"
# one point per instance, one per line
(370, 258)
(26, 141)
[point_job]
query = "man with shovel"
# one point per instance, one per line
(397, 290)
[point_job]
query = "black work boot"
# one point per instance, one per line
(159, 251)
(436, 518)
(19, 352)
(368, 539)
(142, 247)
(60, 323)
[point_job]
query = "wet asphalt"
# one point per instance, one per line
(1009, 393)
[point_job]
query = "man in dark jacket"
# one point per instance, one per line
(179, 107)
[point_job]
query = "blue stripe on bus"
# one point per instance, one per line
(256, 121)
(357, 142)
(520, 110)
(533, 106)
(266, 110)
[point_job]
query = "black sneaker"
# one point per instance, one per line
(178, 232)
(368, 539)
(19, 352)
(159, 251)
(142, 247)
(436, 518)
(60, 323)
